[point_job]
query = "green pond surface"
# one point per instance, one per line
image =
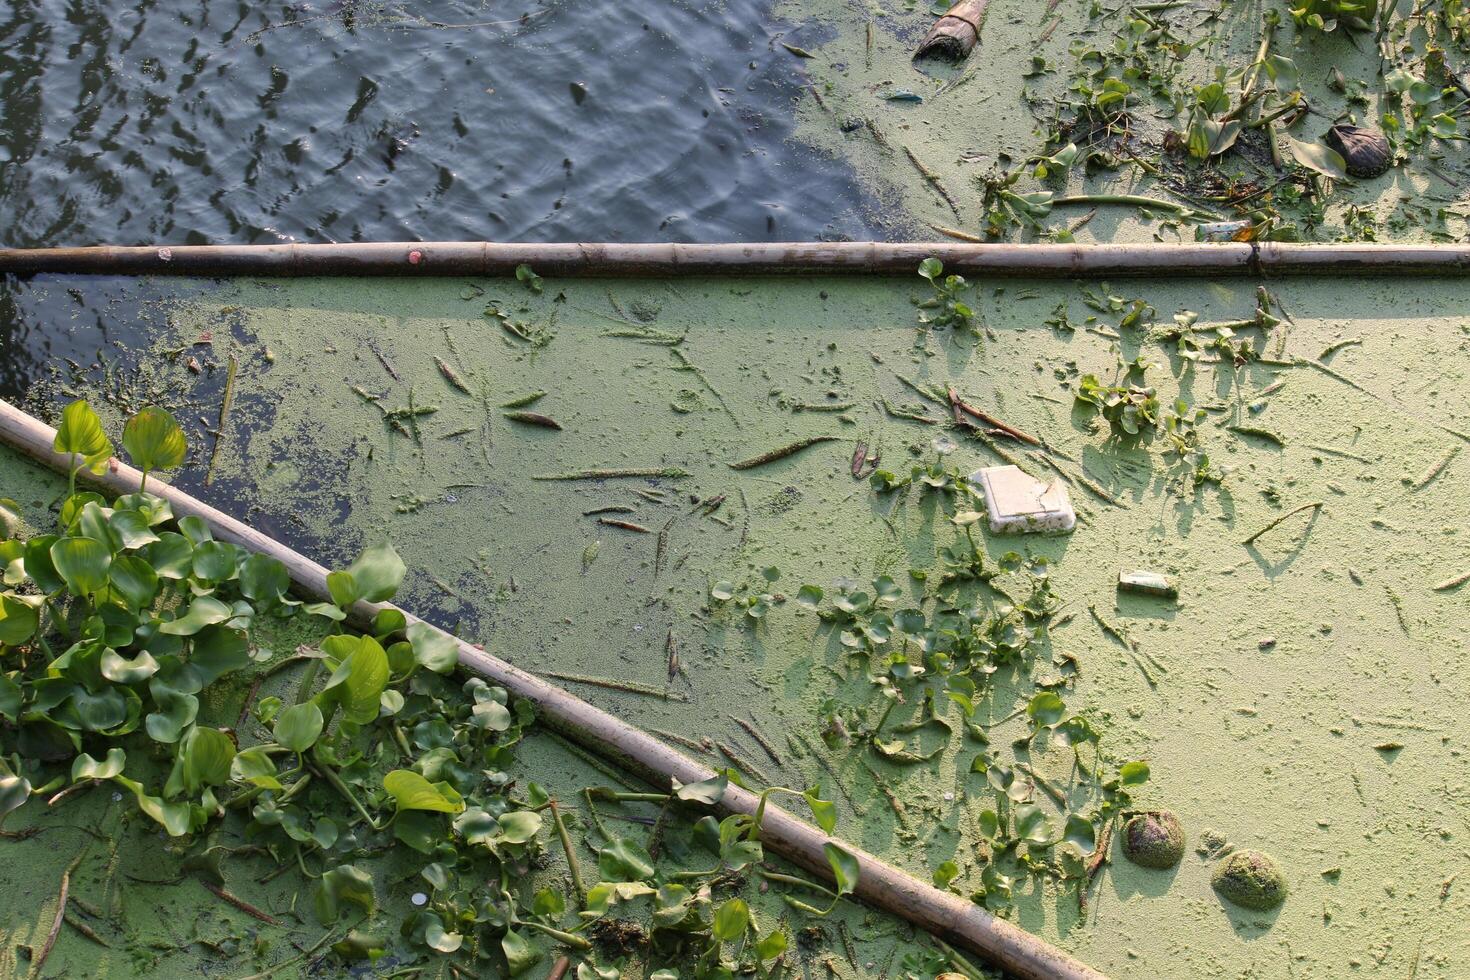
(1306, 688)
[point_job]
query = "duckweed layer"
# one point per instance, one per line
(1276, 674)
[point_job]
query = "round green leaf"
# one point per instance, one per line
(411, 791)
(82, 563)
(299, 726)
(378, 572)
(86, 767)
(519, 826)
(154, 440)
(81, 432)
(731, 921)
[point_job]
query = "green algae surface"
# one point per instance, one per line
(927, 137)
(1305, 686)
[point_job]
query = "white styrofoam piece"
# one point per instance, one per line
(1017, 502)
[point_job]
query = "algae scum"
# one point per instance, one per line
(1297, 699)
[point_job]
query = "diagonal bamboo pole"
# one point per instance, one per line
(953, 919)
(1254, 259)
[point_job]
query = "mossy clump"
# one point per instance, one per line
(1251, 880)
(1154, 839)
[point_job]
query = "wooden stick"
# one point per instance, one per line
(224, 412)
(781, 453)
(620, 259)
(1314, 505)
(60, 914)
(239, 903)
(961, 921)
(960, 405)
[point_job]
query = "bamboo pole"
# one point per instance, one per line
(955, 34)
(1157, 260)
(953, 919)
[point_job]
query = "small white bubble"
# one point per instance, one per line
(949, 797)
(419, 899)
(117, 797)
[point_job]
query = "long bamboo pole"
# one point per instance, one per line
(953, 919)
(775, 258)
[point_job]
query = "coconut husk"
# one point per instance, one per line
(954, 35)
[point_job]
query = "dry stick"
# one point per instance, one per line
(1094, 865)
(961, 405)
(224, 411)
(934, 182)
(659, 551)
(625, 525)
(451, 375)
(1314, 505)
(880, 884)
(683, 740)
(60, 915)
(628, 686)
(781, 453)
(386, 365)
(533, 418)
(559, 968)
(743, 764)
(628, 473)
(1451, 583)
(1437, 469)
(754, 733)
(240, 903)
(86, 930)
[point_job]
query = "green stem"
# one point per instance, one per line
(565, 938)
(603, 793)
(308, 680)
(566, 843)
(798, 882)
(336, 781)
(1135, 200)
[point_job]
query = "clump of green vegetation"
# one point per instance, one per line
(1251, 880)
(123, 633)
(946, 308)
(1154, 839)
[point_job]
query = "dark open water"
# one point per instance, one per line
(193, 121)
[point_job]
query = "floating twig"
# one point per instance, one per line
(687, 365)
(781, 453)
(631, 687)
(1094, 865)
(1314, 505)
(859, 459)
(609, 509)
(387, 365)
(65, 890)
(934, 181)
(662, 547)
(224, 411)
(1451, 583)
(632, 473)
(87, 931)
(955, 233)
(1340, 452)
(961, 408)
(534, 418)
(742, 763)
(559, 968)
(1251, 430)
(240, 903)
(760, 740)
(671, 653)
(525, 400)
(451, 375)
(1433, 472)
(702, 746)
(1328, 352)
(625, 525)
(900, 413)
